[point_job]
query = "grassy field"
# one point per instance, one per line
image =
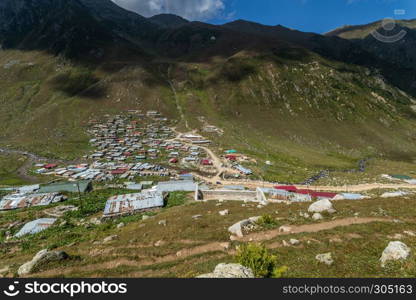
(187, 247)
(9, 164)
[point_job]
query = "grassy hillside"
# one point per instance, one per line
(292, 107)
(299, 111)
(187, 247)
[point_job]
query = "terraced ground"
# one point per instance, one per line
(356, 235)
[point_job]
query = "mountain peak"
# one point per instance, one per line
(168, 20)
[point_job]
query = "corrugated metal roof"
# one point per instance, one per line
(36, 226)
(234, 187)
(176, 186)
(137, 187)
(16, 201)
(130, 203)
(28, 189)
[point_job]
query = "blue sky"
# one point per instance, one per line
(317, 15)
(307, 15)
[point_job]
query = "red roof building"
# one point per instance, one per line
(206, 162)
(289, 188)
(50, 166)
(231, 157)
(118, 171)
(323, 195)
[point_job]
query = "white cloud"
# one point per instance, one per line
(189, 9)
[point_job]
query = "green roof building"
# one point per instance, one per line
(72, 187)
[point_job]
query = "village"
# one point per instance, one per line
(142, 154)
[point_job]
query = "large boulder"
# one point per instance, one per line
(395, 251)
(41, 258)
(229, 271)
(237, 228)
(321, 206)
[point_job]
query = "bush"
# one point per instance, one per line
(258, 258)
(266, 221)
(176, 199)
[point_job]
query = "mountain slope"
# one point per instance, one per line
(168, 20)
(394, 45)
(301, 100)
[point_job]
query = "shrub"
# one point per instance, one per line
(266, 221)
(258, 258)
(176, 199)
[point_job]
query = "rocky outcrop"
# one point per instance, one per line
(237, 228)
(321, 206)
(395, 251)
(41, 258)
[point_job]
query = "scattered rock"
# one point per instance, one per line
(304, 215)
(196, 217)
(294, 242)
(121, 225)
(409, 233)
(325, 258)
(237, 228)
(110, 238)
(285, 229)
(335, 240)
(95, 221)
(226, 246)
(162, 222)
(317, 217)
(321, 206)
(395, 251)
(159, 243)
(224, 212)
(145, 217)
(42, 257)
(229, 271)
(285, 244)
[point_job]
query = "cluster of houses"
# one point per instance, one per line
(133, 145)
(233, 157)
